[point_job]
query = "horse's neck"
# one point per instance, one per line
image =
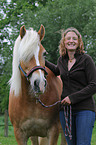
(24, 86)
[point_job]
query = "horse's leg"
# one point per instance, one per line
(20, 138)
(54, 134)
(34, 140)
(43, 141)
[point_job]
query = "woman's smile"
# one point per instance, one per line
(71, 41)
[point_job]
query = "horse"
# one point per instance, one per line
(31, 85)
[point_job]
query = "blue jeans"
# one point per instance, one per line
(82, 126)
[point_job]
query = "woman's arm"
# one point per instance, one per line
(54, 68)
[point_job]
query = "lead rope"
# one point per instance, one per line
(38, 100)
(68, 128)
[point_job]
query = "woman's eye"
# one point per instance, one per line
(74, 38)
(68, 38)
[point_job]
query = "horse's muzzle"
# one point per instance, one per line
(39, 86)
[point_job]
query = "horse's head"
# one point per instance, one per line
(31, 58)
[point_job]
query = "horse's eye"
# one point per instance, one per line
(44, 54)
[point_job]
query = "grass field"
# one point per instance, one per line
(10, 140)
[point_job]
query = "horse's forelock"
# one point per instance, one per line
(28, 45)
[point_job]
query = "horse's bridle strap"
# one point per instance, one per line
(22, 70)
(32, 70)
(36, 68)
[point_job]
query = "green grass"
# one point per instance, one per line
(93, 142)
(10, 140)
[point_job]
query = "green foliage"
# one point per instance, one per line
(91, 34)
(55, 15)
(61, 14)
(11, 20)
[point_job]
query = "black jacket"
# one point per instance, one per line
(79, 83)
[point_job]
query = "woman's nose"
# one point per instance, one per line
(71, 39)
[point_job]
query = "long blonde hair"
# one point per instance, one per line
(62, 49)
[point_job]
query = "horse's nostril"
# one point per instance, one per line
(36, 83)
(39, 86)
(36, 86)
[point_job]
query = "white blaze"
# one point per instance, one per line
(38, 76)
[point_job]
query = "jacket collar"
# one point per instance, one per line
(77, 56)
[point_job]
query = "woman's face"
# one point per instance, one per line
(71, 41)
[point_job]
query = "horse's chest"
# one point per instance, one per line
(37, 127)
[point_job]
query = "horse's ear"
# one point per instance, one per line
(22, 31)
(41, 32)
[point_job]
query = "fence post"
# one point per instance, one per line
(6, 124)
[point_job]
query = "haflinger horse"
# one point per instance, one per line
(28, 84)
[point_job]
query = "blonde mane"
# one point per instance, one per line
(24, 49)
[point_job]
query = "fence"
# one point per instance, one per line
(5, 124)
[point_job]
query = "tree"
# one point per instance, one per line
(11, 18)
(55, 15)
(61, 14)
(90, 35)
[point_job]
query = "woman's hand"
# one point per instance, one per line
(66, 101)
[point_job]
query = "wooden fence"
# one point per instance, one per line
(5, 123)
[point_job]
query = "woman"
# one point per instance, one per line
(78, 73)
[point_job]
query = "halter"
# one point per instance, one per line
(32, 70)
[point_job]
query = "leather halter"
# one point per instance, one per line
(32, 70)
